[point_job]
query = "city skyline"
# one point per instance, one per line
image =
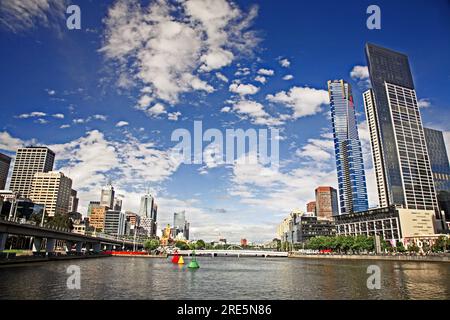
(102, 129)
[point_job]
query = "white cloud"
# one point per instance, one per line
(121, 124)
(243, 89)
(221, 77)
(157, 110)
(266, 72)
(171, 47)
(255, 112)
(41, 121)
(424, 103)
(261, 79)
(34, 114)
(288, 77)
(9, 143)
(173, 116)
(303, 101)
(242, 72)
(64, 126)
(359, 73)
(225, 109)
(285, 63)
(317, 149)
(18, 16)
(58, 116)
(51, 92)
(100, 117)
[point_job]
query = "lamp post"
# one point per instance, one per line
(43, 215)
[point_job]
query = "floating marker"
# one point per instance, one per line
(181, 260)
(193, 264)
(175, 258)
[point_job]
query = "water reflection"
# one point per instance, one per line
(226, 278)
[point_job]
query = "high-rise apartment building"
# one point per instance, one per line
(107, 196)
(30, 160)
(51, 189)
(5, 161)
(440, 168)
(73, 202)
(349, 160)
(311, 207)
(97, 217)
(180, 225)
(326, 202)
(404, 158)
(114, 222)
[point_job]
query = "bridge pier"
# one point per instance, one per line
(97, 247)
(3, 238)
(50, 247)
(88, 247)
(79, 246)
(37, 244)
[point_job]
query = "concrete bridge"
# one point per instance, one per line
(235, 253)
(97, 242)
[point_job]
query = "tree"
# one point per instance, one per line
(60, 221)
(200, 244)
(181, 245)
(151, 244)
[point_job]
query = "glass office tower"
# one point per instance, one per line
(405, 163)
(349, 159)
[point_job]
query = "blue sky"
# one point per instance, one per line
(107, 97)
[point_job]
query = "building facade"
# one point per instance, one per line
(107, 196)
(440, 167)
(390, 223)
(97, 218)
(349, 160)
(405, 162)
(114, 222)
(311, 207)
(299, 228)
(52, 189)
(5, 162)
(30, 160)
(73, 202)
(326, 202)
(180, 225)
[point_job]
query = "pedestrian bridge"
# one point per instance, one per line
(234, 253)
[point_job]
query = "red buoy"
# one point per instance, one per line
(175, 258)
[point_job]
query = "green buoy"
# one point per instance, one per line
(193, 264)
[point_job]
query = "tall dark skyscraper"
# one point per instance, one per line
(401, 156)
(5, 161)
(440, 167)
(347, 146)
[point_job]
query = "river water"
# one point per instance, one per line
(225, 278)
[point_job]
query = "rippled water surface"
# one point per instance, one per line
(226, 278)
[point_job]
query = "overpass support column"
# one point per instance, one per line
(97, 247)
(108, 247)
(50, 248)
(3, 238)
(79, 246)
(37, 244)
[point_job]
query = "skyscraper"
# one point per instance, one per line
(73, 202)
(107, 196)
(115, 222)
(148, 213)
(326, 202)
(51, 189)
(29, 161)
(347, 146)
(440, 167)
(145, 209)
(404, 158)
(180, 225)
(5, 161)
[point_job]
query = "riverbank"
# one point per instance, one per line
(25, 260)
(442, 258)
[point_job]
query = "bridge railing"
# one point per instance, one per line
(23, 221)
